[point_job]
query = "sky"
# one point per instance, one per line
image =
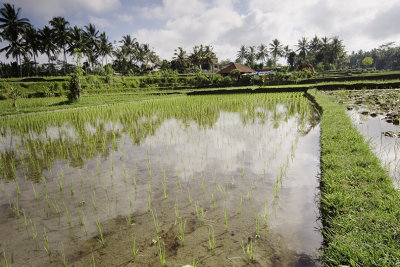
(226, 24)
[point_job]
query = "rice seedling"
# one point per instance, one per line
(134, 249)
(82, 222)
(225, 220)
(56, 207)
(213, 201)
(68, 216)
(63, 257)
(47, 199)
(17, 187)
(178, 183)
(211, 240)
(25, 220)
(155, 220)
(128, 220)
(149, 199)
(240, 204)
(181, 231)
(248, 251)
(5, 259)
(265, 214)
(14, 205)
(164, 184)
(46, 243)
(34, 230)
(124, 174)
(71, 190)
(92, 262)
(130, 201)
(94, 201)
(101, 238)
(176, 209)
(257, 226)
(203, 184)
(161, 252)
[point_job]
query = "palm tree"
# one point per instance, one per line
(12, 27)
(77, 42)
(105, 47)
(241, 54)
(181, 58)
(61, 35)
(251, 56)
(275, 47)
(32, 42)
(302, 48)
(315, 44)
(209, 57)
(337, 49)
(91, 34)
(262, 53)
(47, 43)
(130, 45)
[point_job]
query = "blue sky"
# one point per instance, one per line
(226, 24)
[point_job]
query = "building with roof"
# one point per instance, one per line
(232, 66)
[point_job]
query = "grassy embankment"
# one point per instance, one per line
(359, 206)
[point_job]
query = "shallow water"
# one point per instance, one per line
(385, 147)
(247, 162)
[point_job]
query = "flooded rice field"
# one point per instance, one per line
(375, 113)
(196, 181)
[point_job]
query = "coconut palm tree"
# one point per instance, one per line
(241, 54)
(209, 57)
(77, 41)
(61, 36)
(32, 42)
(47, 43)
(131, 45)
(251, 56)
(181, 59)
(337, 49)
(314, 45)
(91, 35)
(262, 54)
(275, 47)
(12, 28)
(105, 47)
(302, 48)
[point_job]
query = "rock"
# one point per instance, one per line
(390, 134)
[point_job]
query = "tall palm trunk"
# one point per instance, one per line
(34, 59)
(20, 65)
(65, 61)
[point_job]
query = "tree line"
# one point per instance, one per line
(23, 43)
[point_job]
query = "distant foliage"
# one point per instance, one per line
(367, 61)
(75, 84)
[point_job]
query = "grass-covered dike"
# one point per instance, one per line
(359, 206)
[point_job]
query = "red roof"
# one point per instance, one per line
(232, 66)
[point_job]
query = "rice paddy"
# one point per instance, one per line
(196, 180)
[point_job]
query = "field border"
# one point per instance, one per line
(359, 205)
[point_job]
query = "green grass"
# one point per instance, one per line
(32, 105)
(359, 206)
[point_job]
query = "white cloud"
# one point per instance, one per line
(61, 7)
(99, 21)
(125, 18)
(173, 9)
